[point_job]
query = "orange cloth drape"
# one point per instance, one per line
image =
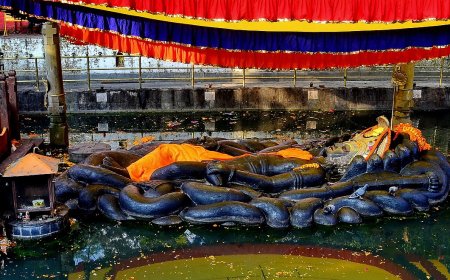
(294, 153)
(166, 154)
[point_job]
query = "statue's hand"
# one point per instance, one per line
(434, 184)
(217, 173)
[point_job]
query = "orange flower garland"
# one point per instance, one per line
(414, 134)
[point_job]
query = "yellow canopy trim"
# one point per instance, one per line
(279, 26)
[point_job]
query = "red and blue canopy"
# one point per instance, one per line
(270, 34)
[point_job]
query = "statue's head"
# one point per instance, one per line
(375, 139)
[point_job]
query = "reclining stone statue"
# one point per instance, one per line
(219, 181)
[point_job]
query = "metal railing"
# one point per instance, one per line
(34, 73)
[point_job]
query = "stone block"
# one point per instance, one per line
(81, 151)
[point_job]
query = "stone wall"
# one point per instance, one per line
(167, 100)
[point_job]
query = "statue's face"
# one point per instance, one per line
(351, 147)
(339, 149)
(341, 153)
(374, 139)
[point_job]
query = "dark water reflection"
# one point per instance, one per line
(223, 121)
(98, 249)
(434, 125)
(99, 245)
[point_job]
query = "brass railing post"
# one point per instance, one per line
(441, 72)
(36, 71)
(243, 77)
(5, 29)
(88, 69)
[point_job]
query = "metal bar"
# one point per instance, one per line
(203, 78)
(27, 81)
(116, 69)
(100, 56)
(115, 80)
(218, 78)
(393, 105)
(37, 74)
(192, 76)
(379, 78)
(88, 69)
(441, 72)
(51, 191)
(140, 72)
(73, 69)
(320, 77)
(295, 78)
(266, 77)
(166, 79)
(166, 68)
(25, 71)
(14, 193)
(74, 81)
(243, 77)
(345, 77)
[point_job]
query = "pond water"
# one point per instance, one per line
(100, 249)
(435, 125)
(416, 247)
